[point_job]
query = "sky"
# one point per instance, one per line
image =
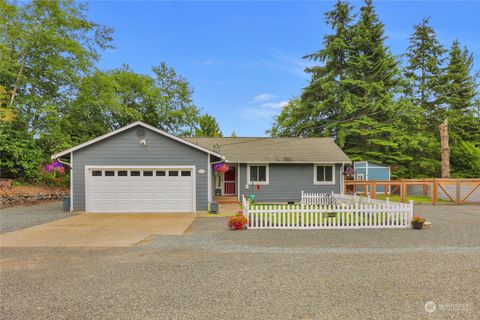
(244, 59)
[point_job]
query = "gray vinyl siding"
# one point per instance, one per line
(286, 182)
(124, 149)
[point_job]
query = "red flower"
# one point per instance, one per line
(238, 221)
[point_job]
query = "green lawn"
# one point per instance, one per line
(416, 199)
(315, 218)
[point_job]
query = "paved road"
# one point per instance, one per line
(213, 273)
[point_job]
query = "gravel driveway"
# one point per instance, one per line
(213, 273)
(21, 217)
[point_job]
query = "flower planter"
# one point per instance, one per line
(417, 224)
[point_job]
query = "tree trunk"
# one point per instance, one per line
(445, 149)
(17, 83)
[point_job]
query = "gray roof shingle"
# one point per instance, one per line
(271, 150)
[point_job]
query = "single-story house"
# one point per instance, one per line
(367, 171)
(139, 168)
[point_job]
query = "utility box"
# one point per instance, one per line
(213, 207)
(66, 203)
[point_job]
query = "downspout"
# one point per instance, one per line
(63, 162)
(71, 179)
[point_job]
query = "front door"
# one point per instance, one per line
(229, 184)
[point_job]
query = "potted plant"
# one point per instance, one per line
(55, 170)
(238, 221)
(220, 168)
(417, 222)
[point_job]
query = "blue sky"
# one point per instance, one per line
(243, 59)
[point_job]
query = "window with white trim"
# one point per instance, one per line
(324, 174)
(258, 173)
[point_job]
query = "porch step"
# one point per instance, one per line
(226, 199)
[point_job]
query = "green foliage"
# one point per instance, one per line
(466, 158)
(208, 127)
(19, 154)
(350, 95)
(424, 74)
(460, 93)
(52, 97)
(376, 112)
(112, 99)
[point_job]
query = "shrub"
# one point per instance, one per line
(238, 221)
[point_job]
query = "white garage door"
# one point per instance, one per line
(140, 190)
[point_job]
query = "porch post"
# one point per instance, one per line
(209, 179)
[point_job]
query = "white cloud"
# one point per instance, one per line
(264, 97)
(274, 105)
(207, 62)
(258, 115)
(291, 64)
(264, 112)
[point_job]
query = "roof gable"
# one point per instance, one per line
(137, 123)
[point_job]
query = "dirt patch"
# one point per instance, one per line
(33, 190)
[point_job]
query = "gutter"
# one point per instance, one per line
(63, 162)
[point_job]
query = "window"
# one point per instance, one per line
(160, 173)
(258, 174)
(173, 173)
(134, 173)
(186, 173)
(122, 173)
(147, 173)
(324, 174)
(109, 173)
(97, 173)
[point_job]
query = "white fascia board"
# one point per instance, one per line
(131, 125)
(296, 162)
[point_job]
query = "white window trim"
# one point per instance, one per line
(360, 175)
(315, 165)
(71, 181)
(267, 174)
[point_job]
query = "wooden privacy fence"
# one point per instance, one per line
(344, 212)
(459, 191)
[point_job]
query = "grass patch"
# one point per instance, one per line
(416, 199)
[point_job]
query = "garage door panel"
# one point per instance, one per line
(149, 193)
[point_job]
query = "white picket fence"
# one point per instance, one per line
(343, 212)
(316, 199)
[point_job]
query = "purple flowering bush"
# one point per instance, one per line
(220, 168)
(54, 174)
(55, 168)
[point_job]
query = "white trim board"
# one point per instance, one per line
(294, 162)
(267, 174)
(71, 181)
(136, 123)
(315, 182)
(209, 180)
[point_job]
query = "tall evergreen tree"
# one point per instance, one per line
(367, 130)
(460, 93)
(207, 127)
(424, 73)
(321, 100)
